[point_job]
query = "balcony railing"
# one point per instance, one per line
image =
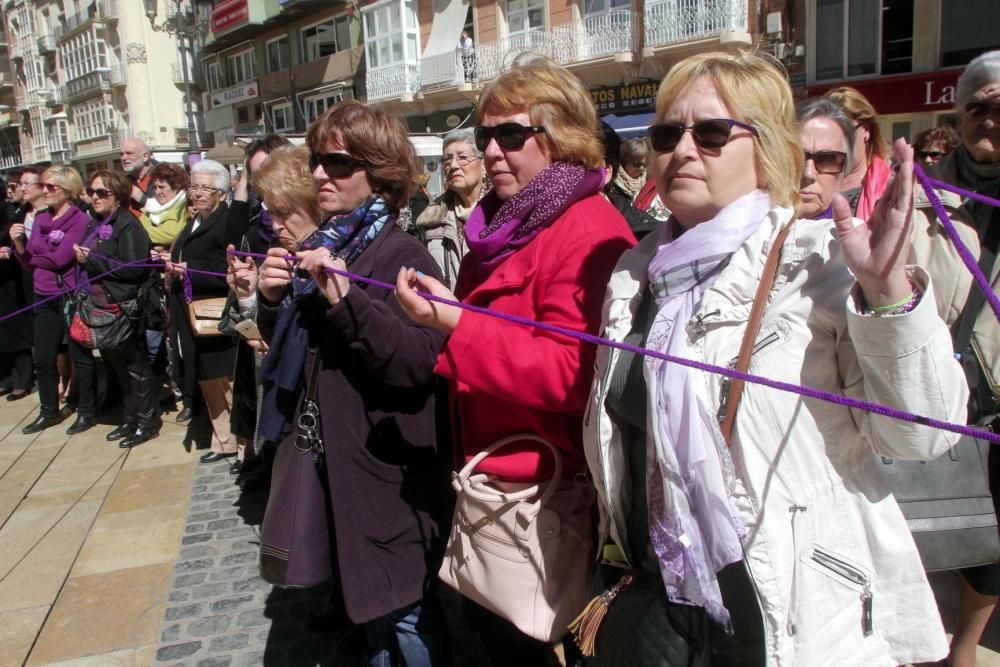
(6, 78)
(195, 76)
(446, 68)
(675, 21)
(118, 75)
(60, 156)
(46, 44)
(106, 140)
(54, 97)
(16, 53)
(105, 11)
(87, 85)
(594, 37)
(10, 157)
(394, 81)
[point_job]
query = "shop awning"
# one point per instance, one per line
(630, 125)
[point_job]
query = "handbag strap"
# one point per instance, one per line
(463, 475)
(736, 386)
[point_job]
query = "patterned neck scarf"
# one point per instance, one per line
(346, 236)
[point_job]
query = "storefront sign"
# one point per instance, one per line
(229, 13)
(235, 95)
(627, 97)
(910, 93)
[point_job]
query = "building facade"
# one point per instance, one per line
(87, 74)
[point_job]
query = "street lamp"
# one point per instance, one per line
(191, 27)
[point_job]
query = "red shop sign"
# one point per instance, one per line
(228, 13)
(909, 93)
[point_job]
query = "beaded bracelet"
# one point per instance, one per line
(899, 308)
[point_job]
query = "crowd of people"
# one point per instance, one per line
(733, 524)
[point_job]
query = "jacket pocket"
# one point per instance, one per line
(848, 574)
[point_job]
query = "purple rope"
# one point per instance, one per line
(941, 185)
(808, 392)
(970, 262)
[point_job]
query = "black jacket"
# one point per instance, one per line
(128, 242)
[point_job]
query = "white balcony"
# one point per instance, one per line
(595, 37)
(10, 157)
(445, 69)
(396, 81)
(46, 44)
(677, 21)
(118, 75)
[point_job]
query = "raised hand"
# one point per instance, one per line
(275, 275)
(332, 285)
(876, 251)
(439, 316)
(241, 276)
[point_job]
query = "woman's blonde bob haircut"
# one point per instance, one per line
(67, 178)
(553, 97)
(284, 180)
(861, 110)
(756, 92)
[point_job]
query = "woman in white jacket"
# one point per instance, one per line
(788, 533)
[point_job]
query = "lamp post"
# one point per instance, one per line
(188, 26)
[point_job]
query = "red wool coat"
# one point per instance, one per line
(506, 378)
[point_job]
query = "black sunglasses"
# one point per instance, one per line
(933, 155)
(711, 134)
(100, 193)
(981, 109)
(336, 165)
(509, 136)
(827, 162)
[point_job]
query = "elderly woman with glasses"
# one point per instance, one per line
(442, 225)
(974, 166)
(117, 238)
(764, 513)
(50, 257)
(541, 246)
(370, 370)
(827, 135)
(201, 245)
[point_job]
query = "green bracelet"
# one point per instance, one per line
(886, 309)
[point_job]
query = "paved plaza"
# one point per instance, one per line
(117, 558)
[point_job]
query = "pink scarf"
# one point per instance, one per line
(872, 187)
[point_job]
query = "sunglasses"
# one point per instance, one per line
(827, 162)
(981, 109)
(708, 134)
(336, 165)
(932, 155)
(51, 187)
(100, 193)
(509, 136)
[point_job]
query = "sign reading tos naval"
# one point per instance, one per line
(626, 97)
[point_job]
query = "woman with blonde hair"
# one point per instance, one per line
(762, 512)
(868, 179)
(541, 245)
(50, 257)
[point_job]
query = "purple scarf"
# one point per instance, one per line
(497, 229)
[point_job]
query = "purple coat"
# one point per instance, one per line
(49, 254)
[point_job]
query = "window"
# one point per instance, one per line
(57, 135)
(968, 28)
(594, 7)
(212, 72)
(277, 55)
(240, 67)
(82, 54)
(391, 33)
(92, 119)
(524, 16)
(313, 107)
(325, 38)
(863, 37)
(282, 118)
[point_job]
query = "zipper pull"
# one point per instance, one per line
(698, 328)
(866, 612)
(724, 398)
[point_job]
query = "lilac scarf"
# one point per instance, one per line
(497, 229)
(693, 522)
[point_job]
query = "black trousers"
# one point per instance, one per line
(137, 380)
(20, 367)
(50, 330)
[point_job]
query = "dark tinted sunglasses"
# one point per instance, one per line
(336, 165)
(711, 134)
(981, 109)
(933, 155)
(100, 193)
(828, 162)
(509, 136)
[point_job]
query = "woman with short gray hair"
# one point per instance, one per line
(201, 245)
(441, 226)
(827, 135)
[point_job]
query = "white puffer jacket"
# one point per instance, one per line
(824, 530)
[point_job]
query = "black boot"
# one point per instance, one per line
(81, 424)
(41, 423)
(141, 435)
(123, 431)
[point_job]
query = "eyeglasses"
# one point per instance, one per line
(51, 187)
(708, 134)
(827, 162)
(930, 155)
(28, 185)
(636, 163)
(195, 189)
(100, 193)
(462, 159)
(509, 136)
(982, 109)
(335, 165)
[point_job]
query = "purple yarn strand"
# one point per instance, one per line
(970, 262)
(807, 392)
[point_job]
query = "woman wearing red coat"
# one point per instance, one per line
(542, 246)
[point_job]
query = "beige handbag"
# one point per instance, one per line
(524, 555)
(206, 315)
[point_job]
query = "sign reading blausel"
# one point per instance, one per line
(626, 97)
(234, 95)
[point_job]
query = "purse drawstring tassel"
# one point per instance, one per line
(585, 626)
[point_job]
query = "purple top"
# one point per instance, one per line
(49, 253)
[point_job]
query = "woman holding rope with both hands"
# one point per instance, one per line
(760, 526)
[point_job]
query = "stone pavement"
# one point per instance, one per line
(146, 558)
